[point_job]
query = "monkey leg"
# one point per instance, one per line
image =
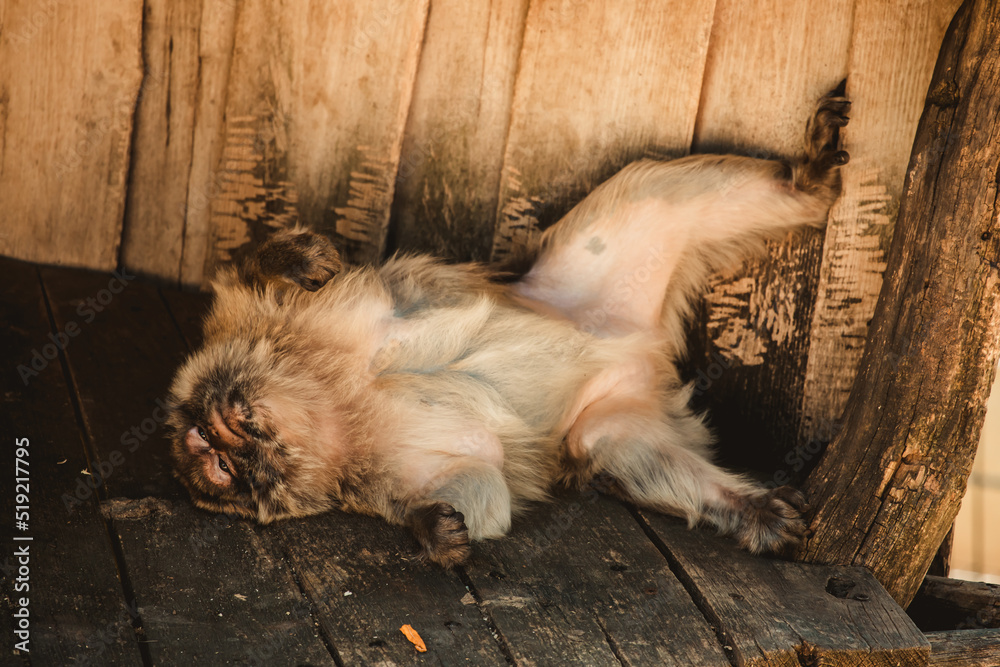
(296, 256)
(661, 462)
(472, 502)
(636, 253)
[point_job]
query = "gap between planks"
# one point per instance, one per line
(100, 492)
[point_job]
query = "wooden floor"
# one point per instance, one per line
(131, 574)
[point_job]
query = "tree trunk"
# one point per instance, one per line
(889, 486)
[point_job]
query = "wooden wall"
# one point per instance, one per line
(165, 135)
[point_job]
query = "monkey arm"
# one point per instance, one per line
(469, 501)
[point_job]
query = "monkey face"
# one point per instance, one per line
(226, 451)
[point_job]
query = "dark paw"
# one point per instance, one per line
(442, 534)
(823, 132)
(305, 258)
(772, 520)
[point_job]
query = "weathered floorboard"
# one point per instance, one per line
(578, 582)
(208, 589)
(78, 610)
(449, 171)
(774, 612)
(188, 311)
(363, 583)
(122, 362)
(578, 117)
(70, 77)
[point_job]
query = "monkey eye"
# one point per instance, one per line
(224, 466)
(202, 434)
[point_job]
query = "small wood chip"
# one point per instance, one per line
(414, 638)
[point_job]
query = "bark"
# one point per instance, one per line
(889, 485)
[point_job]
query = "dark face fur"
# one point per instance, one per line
(225, 449)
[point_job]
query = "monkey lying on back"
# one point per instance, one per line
(440, 399)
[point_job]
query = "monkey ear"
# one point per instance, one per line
(295, 255)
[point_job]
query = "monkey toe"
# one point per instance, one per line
(443, 536)
(791, 496)
(823, 131)
(773, 521)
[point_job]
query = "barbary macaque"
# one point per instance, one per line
(444, 399)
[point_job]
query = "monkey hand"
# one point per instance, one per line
(440, 529)
(299, 256)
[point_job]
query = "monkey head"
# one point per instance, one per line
(228, 447)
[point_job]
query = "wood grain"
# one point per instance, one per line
(121, 362)
(163, 140)
(68, 86)
(577, 582)
(363, 582)
(965, 648)
(78, 610)
(208, 589)
(597, 87)
(954, 604)
(449, 172)
(187, 49)
(892, 58)
(773, 612)
(889, 486)
(315, 112)
(760, 88)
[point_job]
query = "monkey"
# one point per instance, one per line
(445, 399)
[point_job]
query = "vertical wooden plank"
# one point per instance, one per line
(152, 242)
(449, 171)
(71, 73)
(892, 59)
(315, 114)
(769, 63)
(599, 85)
(215, 56)
(187, 47)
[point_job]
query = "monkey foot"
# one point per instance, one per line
(772, 520)
(823, 151)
